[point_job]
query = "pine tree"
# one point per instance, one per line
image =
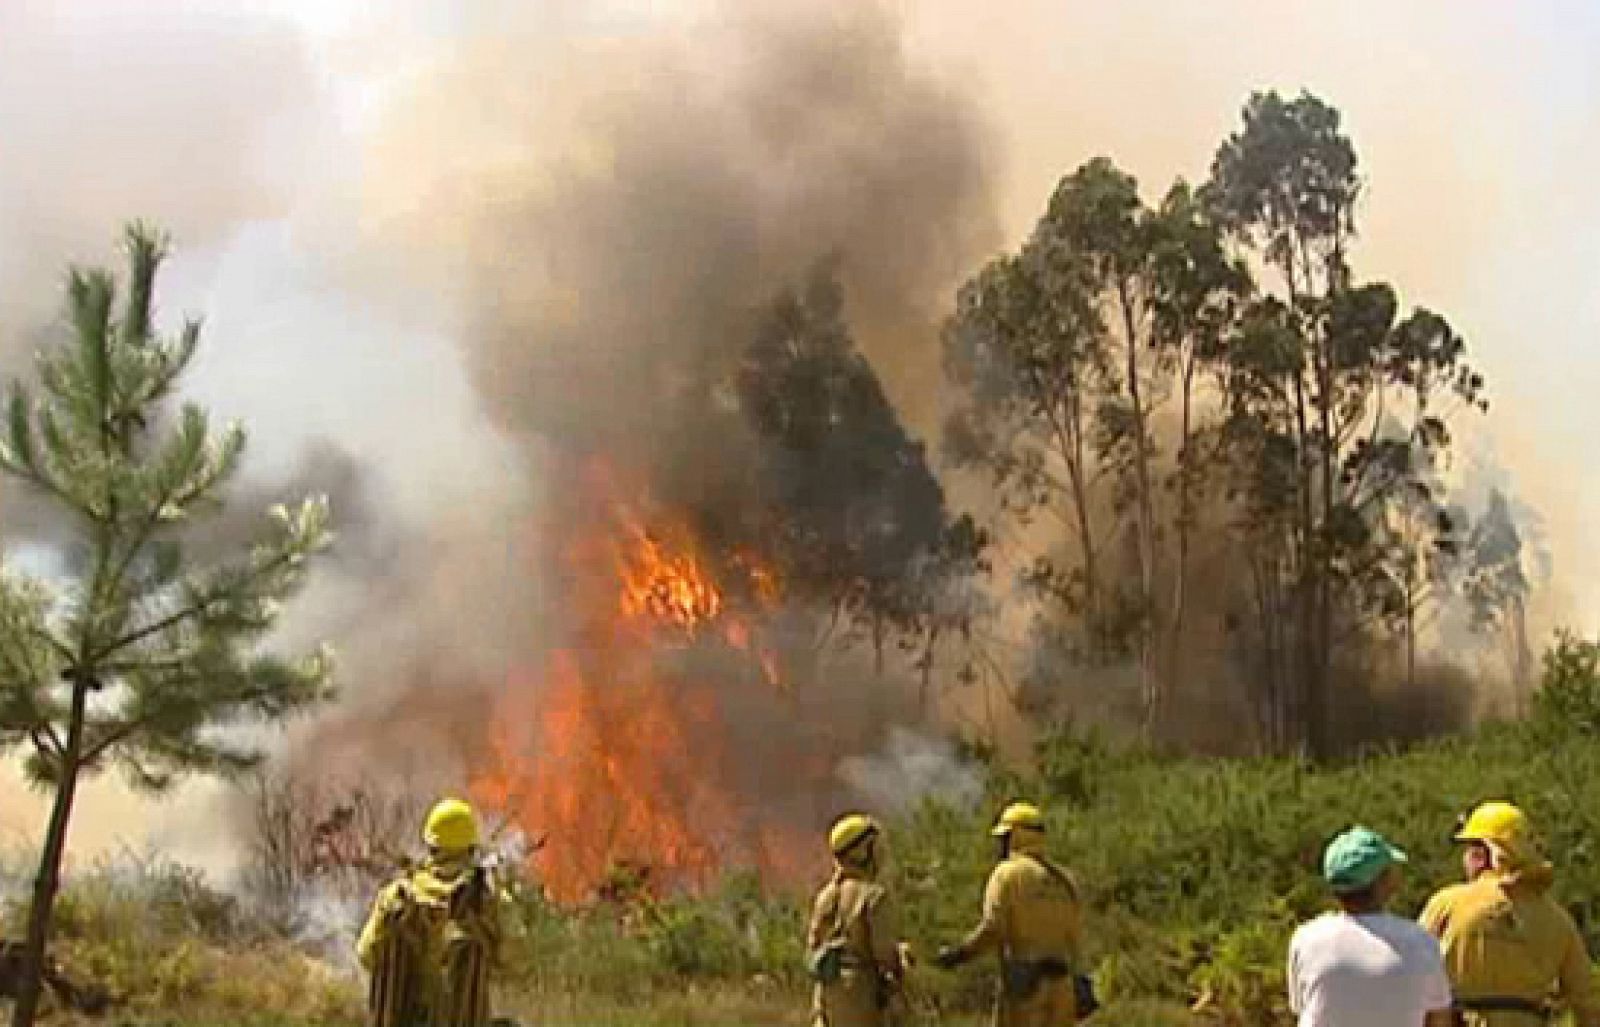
(138, 658)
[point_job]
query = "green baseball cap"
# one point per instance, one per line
(1357, 858)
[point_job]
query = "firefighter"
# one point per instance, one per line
(853, 952)
(434, 933)
(1032, 917)
(1507, 943)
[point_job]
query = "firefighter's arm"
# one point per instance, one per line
(1577, 982)
(819, 914)
(987, 935)
(379, 924)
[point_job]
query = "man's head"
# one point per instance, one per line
(451, 828)
(1496, 833)
(1020, 828)
(855, 840)
(1362, 869)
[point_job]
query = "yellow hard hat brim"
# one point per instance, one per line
(1001, 830)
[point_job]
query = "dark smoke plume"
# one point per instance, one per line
(616, 282)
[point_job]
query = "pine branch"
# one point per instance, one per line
(195, 609)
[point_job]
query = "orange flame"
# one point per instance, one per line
(615, 755)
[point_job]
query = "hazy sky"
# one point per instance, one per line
(248, 129)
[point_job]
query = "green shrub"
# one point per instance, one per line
(1568, 699)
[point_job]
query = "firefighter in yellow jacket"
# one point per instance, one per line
(1508, 946)
(434, 933)
(1032, 918)
(853, 951)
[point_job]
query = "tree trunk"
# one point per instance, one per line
(1308, 714)
(48, 881)
(1150, 687)
(1323, 715)
(1180, 584)
(1521, 656)
(1077, 473)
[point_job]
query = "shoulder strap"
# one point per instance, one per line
(832, 929)
(1058, 874)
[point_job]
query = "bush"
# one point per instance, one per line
(1568, 699)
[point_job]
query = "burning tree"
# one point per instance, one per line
(617, 750)
(844, 497)
(685, 722)
(135, 658)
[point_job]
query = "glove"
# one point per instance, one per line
(949, 958)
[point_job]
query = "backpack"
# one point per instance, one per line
(432, 969)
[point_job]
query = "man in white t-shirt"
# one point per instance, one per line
(1361, 966)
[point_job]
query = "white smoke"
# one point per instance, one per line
(911, 769)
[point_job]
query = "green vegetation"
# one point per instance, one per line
(1197, 871)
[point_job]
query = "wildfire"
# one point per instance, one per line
(662, 587)
(615, 754)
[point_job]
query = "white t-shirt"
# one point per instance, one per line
(1371, 970)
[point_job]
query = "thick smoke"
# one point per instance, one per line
(93, 137)
(616, 265)
(608, 207)
(700, 175)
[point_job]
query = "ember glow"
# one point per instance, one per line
(615, 754)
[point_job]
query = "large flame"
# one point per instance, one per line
(615, 755)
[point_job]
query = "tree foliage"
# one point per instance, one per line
(1339, 409)
(1210, 364)
(137, 659)
(848, 503)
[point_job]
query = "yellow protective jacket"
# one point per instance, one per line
(429, 944)
(1031, 911)
(856, 911)
(1503, 935)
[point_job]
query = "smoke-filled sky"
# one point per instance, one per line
(333, 178)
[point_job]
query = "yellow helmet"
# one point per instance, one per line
(849, 831)
(1498, 822)
(451, 826)
(1023, 816)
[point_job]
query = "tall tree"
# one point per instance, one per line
(1319, 378)
(1025, 345)
(846, 499)
(137, 659)
(1497, 586)
(1069, 352)
(1198, 291)
(1097, 219)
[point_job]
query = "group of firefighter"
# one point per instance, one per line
(1495, 950)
